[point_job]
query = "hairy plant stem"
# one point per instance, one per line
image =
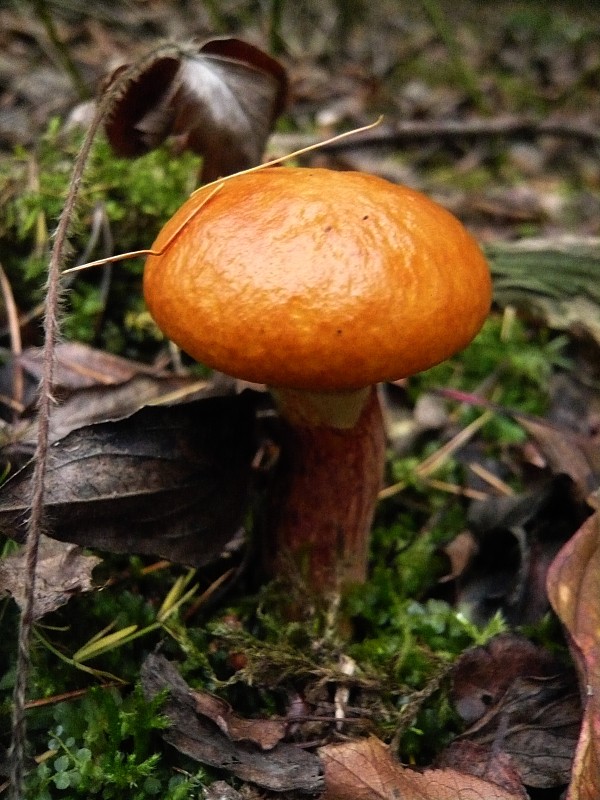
(36, 517)
(45, 403)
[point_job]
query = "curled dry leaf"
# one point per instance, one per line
(366, 770)
(62, 571)
(221, 99)
(265, 733)
(474, 759)
(566, 452)
(284, 768)
(482, 674)
(459, 552)
(219, 790)
(79, 366)
(524, 706)
(517, 538)
(170, 481)
(574, 591)
(536, 723)
(93, 386)
(96, 404)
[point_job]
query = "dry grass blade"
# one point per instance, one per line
(216, 187)
(14, 329)
(437, 459)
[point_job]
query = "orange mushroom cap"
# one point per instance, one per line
(316, 279)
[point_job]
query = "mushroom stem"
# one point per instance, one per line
(327, 481)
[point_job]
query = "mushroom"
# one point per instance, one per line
(319, 284)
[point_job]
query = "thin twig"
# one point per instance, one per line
(437, 459)
(74, 694)
(492, 480)
(393, 134)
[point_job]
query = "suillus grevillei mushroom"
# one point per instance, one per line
(320, 284)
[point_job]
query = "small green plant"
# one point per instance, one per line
(511, 365)
(521, 359)
(104, 746)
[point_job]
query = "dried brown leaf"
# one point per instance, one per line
(79, 366)
(168, 480)
(142, 117)
(566, 452)
(97, 404)
(474, 759)
(517, 539)
(92, 386)
(222, 99)
(219, 790)
(265, 733)
(482, 675)
(536, 723)
(62, 571)
(459, 552)
(366, 770)
(574, 591)
(284, 768)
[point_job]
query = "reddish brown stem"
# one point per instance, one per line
(324, 498)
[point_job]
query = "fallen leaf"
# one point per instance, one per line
(517, 539)
(97, 404)
(482, 675)
(284, 768)
(78, 366)
(219, 790)
(142, 117)
(574, 591)
(535, 722)
(365, 770)
(91, 386)
(566, 452)
(265, 733)
(459, 552)
(170, 481)
(62, 571)
(474, 759)
(222, 99)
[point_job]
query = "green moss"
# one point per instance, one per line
(104, 746)
(521, 359)
(136, 197)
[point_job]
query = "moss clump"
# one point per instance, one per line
(122, 206)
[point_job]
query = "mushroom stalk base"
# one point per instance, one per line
(327, 482)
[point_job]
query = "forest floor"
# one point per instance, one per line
(173, 671)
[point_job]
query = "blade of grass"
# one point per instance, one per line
(97, 646)
(437, 459)
(97, 673)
